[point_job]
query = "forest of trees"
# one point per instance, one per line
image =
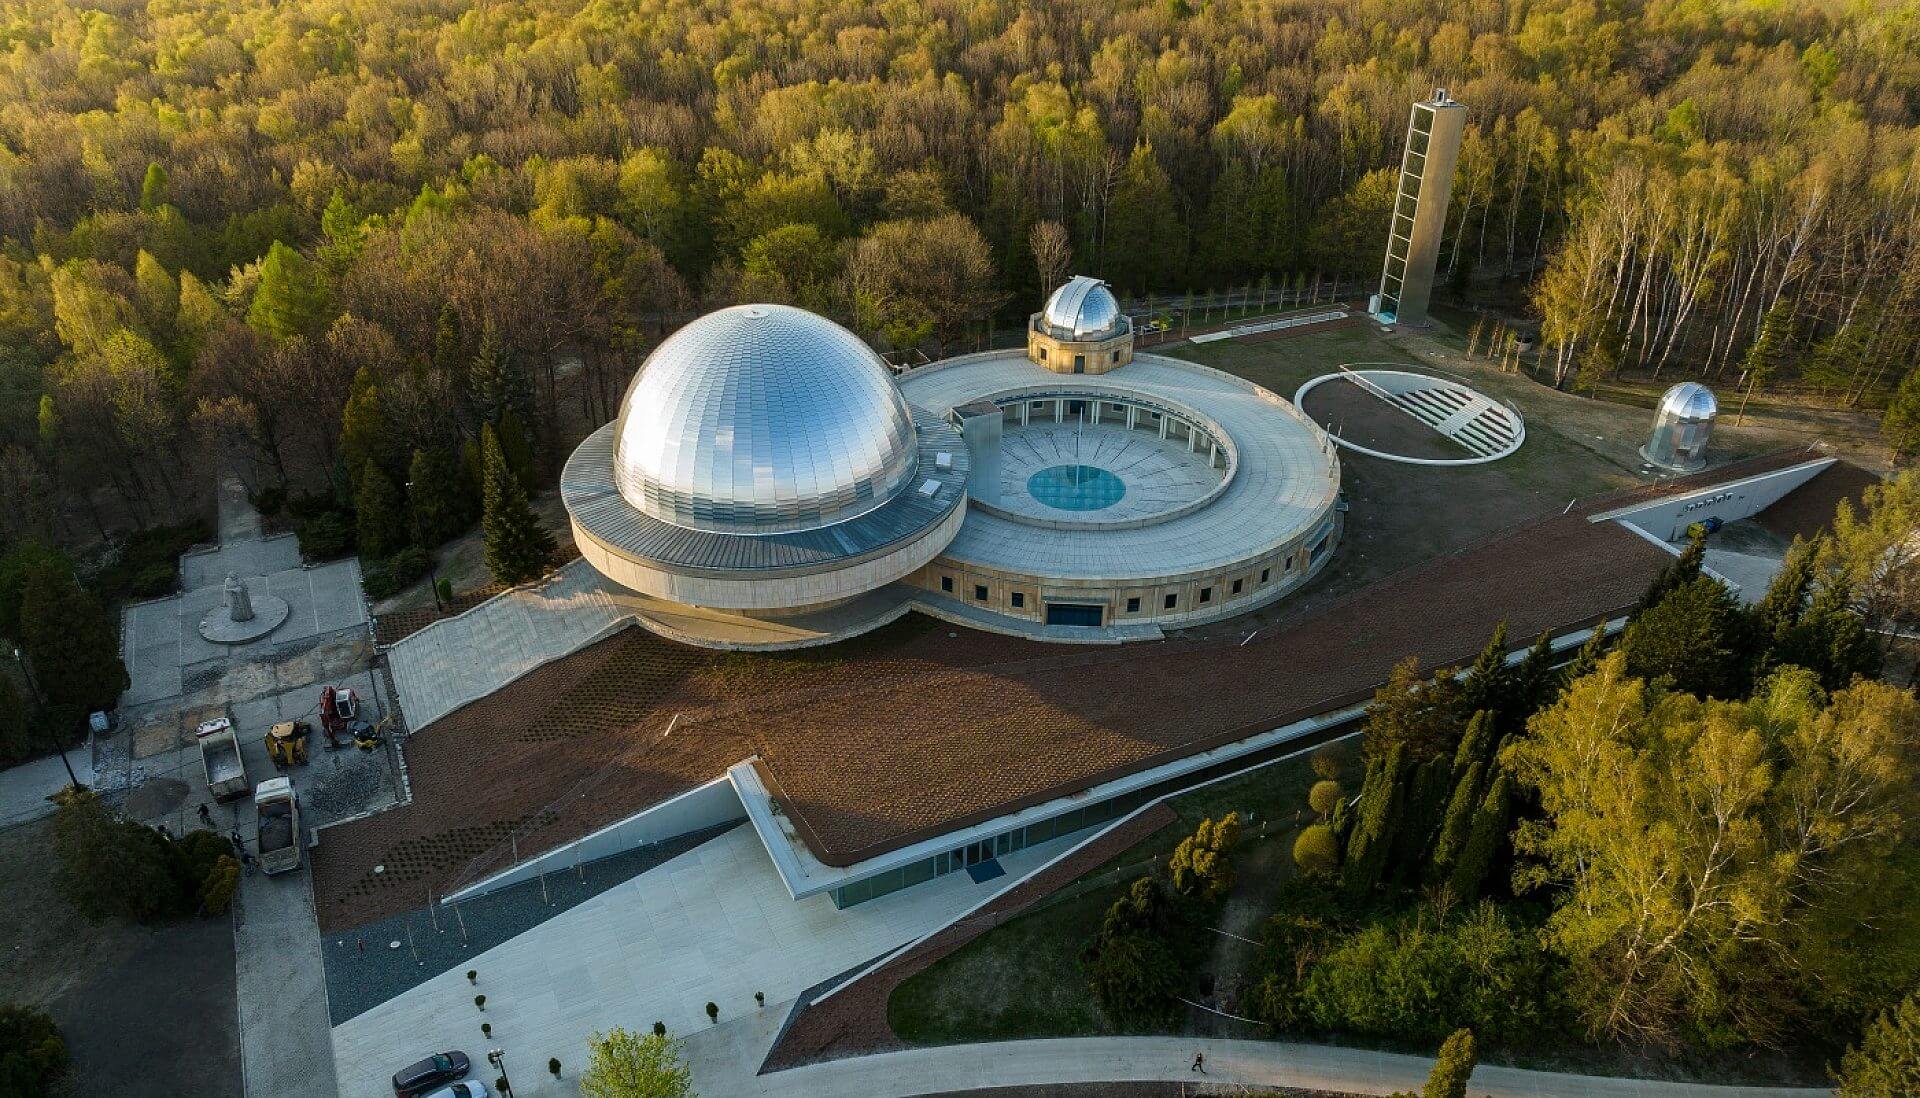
(215, 217)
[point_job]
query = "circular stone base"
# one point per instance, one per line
(268, 612)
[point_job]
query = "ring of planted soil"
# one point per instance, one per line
(1358, 416)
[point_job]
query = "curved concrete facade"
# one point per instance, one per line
(1268, 524)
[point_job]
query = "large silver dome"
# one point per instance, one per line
(762, 419)
(1083, 309)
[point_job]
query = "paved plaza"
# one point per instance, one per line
(1155, 474)
(713, 925)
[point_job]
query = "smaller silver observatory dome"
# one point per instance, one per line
(1083, 310)
(762, 419)
(1682, 427)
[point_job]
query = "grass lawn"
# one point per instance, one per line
(144, 1010)
(1023, 979)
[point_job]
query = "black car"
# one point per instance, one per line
(442, 1067)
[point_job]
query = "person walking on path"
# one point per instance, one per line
(206, 817)
(1199, 1063)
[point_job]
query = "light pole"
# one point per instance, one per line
(498, 1058)
(40, 703)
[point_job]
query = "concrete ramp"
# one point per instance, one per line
(466, 657)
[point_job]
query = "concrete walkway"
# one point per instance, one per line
(281, 988)
(24, 789)
(714, 924)
(1150, 1059)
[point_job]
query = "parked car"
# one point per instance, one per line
(472, 1088)
(415, 1080)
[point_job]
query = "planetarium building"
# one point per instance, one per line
(769, 483)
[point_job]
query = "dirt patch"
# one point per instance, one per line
(156, 798)
(145, 1010)
(1360, 417)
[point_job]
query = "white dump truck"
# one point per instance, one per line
(277, 812)
(220, 755)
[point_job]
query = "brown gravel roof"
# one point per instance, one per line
(921, 728)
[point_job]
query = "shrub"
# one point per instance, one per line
(1887, 1060)
(1316, 851)
(327, 535)
(1133, 978)
(216, 891)
(111, 867)
(1200, 866)
(33, 1056)
(1416, 977)
(387, 578)
(269, 501)
(1327, 762)
(553, 1066)
(1451, 1067)
(480, 1002)
(1324, 795)
(713, 1012)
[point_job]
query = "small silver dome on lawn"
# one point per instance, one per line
(1682, 427)
(1083, 310)
(762, 419)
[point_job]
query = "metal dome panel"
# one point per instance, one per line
(1083, 309)
(1689, 400)
(762, 419)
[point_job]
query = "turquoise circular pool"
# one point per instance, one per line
(1076, 487)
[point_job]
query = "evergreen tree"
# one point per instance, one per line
(72, 641)
(437, 496)
(1886, 1063)
(16, 744)
(1454, 830)
(1426, 807)
(1776, 614)
(1830, 639)
(1452, 1067)
(380, 514)
(1675, 574)
(1484, 840)
(518, 547)
(340, 235)
(516, 448)
(1477, 745)
(1381, 797)
(1424, 714)
(365, 435)
(1768, 351)
(1900, 425)
(1145, 243)
(291, 297)
(449, 352)
(496, 386)
(1693, 637)
(1489, 681)
(1584, 661)
(154, 188)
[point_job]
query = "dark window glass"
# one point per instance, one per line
(946, 584)
(1206, 594)
(1236, 586)
(1133, 606)
(980, 592)
(1172, 600)
(1264, 572)
(1019, 599)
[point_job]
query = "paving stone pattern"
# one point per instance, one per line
(364, 969)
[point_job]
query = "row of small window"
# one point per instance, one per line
(974, 853)
(1171, 601)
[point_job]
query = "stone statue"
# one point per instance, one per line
(239, 603)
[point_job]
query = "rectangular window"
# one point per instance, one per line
(1019, 600)
(980, 592)
(1236, 586)
(946, 584)
(1264, 573)
(1079, 364)
(1043, 354)
(1206, 594)
(1172, 601)
(1133, 606)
